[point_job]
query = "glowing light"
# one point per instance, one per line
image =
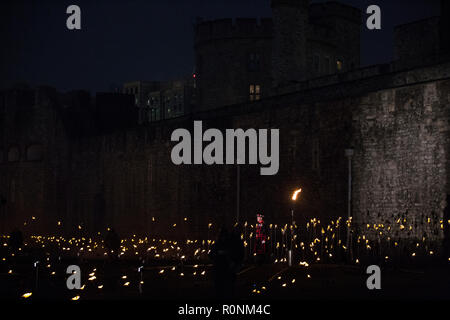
(295, 194)
(27, 295)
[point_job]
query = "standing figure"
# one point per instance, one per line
(112, 244)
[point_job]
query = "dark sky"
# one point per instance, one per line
(142, 39)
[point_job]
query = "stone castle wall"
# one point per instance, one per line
(396, 122)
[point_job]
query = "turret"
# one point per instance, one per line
(445, 27)
(290, 22)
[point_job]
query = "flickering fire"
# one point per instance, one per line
(295, 194)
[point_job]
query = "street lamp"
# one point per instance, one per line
(349, 153)
(293, 198)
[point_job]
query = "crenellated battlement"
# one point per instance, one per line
(334, 9)
(289, 3)
(232, 28)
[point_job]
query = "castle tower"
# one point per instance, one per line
(290, 27)
(445, 27)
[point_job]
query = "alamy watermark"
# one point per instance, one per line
(235, 139)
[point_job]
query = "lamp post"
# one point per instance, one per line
(238, 190)
(349, 153)
(294, 198)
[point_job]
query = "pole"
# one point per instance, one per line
(140, 269)
(36, 266)
(292, 230)
(349, 154)
(238, 193)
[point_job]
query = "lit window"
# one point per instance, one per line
(255, 92)
(339, 65)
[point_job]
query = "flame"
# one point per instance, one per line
(295, 194)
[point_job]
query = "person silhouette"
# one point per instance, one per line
(220, 256)
(112, 243)
(236, 247)
(447, 229)
(227, 254)
(16, 239)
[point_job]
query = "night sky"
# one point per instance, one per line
(143, 39)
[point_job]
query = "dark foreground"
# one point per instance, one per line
(105, 280)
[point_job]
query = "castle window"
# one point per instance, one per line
(339, 65)
(255, 92)
(12, 190)
(199, 67)
(253, 62)
(34, 152)
(315, 155)
(327, 65)
(316, 64)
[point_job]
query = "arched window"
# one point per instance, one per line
(34, 152)
(13, 154)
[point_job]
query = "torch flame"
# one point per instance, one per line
(295, 194)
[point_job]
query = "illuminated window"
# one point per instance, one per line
(339, 65)
(255, 92)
